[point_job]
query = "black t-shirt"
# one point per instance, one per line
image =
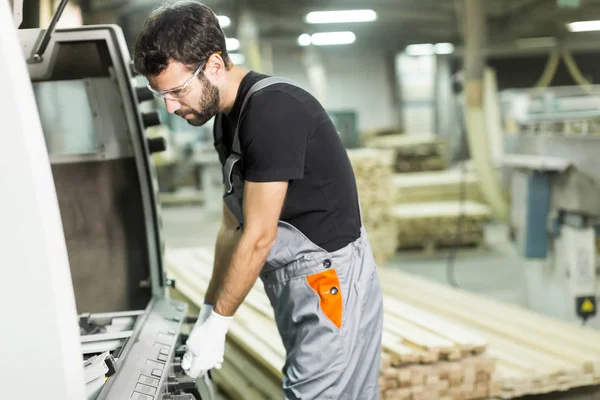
(285, 134)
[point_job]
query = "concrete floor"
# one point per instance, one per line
(494, 270)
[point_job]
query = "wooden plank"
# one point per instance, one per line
(463, 338)
(262, 380)
(546, 361)
(401, 353)
(254, 334)
(373, 172)
(478, 311)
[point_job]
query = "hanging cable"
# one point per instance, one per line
(575, 72)
(462, 197)
(450, 266)
(550, 69)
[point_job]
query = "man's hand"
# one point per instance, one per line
(206, 346)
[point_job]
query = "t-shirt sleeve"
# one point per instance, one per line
(273, 136)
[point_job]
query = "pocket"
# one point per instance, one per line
(327, 286)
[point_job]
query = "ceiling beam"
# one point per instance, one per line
(524, 17)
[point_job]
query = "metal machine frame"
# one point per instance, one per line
(553, 152)
(146, 343)
(112, 35)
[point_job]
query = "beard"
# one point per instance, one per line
(207, 108)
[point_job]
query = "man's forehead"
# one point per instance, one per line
(174, 75)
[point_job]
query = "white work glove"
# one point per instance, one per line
(204, 313)
(206, 346)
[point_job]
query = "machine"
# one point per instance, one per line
(555, 187)
(98, 172)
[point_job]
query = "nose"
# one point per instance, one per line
(172, 105)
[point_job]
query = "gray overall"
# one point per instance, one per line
(328, 305)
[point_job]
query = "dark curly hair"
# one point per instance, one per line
(185, 31)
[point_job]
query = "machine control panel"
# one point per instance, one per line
(150, 355)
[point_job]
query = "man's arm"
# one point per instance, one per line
(263, 203)
(227, 239)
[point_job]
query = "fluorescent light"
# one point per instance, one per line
(232, 44)
(332, 38)
(224, 21)
(584, 26)
(444, 48)
(332, 17)
(304, 39)
(237, 58)
(425, 49)
(529, 43)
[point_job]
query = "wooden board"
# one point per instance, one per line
(428, 187)
(373, 173)
(414, 152)
(435, 224)
(533, 353)
(424, 356)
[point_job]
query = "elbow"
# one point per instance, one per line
(265, 240)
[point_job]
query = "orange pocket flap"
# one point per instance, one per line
(327, 286)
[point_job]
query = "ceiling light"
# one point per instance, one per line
(425, 49)
(237, 58)
(304, 39)
(332, 38)
(444, 48)
(232, 44)
(224, 21)
(584, 26)
(332, 17)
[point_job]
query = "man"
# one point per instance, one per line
(291, 212)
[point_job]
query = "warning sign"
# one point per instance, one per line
(586, 306)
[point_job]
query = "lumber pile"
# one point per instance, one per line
(431, 225)
(369, 134)
(534, 354)
(413, 153)
(424, 357)
(435, 186)
(373, 173)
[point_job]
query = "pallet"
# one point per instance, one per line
(414, 153)
(424, 356)
(428, 187)
(434, 246)
(434, 225)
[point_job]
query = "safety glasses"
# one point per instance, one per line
(178, 92)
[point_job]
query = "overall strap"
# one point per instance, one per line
(255, 88)
(236, 151)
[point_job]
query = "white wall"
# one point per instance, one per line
(358, 79)
(416, 75)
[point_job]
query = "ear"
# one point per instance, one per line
(215, 68)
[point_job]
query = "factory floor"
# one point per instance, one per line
(493, 270)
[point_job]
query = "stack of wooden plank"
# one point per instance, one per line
(437, 342)
(414, 153)
(534, 354)
(373, 173)
(433, 225)
(367, 135)
(424, 357)
(435, 186)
